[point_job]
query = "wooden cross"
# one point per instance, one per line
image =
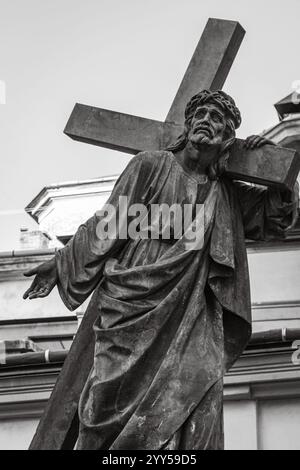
(209, 67)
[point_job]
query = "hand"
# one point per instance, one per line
(256, 141)
(44, 281)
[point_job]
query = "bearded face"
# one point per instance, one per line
(208, 126)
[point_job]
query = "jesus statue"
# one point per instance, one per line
(172, 317)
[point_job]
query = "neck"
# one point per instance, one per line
(197, 160)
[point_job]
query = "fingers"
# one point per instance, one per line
(29, 290)
(252, 141)
(266, 142)
(26, 294)
(34, 290)
(247, 142)
(31, 272)
(256, 141)
(263, 142)
(43, 292)
(43, 282)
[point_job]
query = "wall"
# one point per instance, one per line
(16, 433)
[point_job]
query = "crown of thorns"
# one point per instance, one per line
(220, 98)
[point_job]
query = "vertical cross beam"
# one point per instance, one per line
(210, 64)
(208, 68)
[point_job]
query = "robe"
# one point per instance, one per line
(170, 320)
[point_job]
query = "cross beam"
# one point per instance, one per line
(208, 68)
(272, 166)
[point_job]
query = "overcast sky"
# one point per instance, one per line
(125, 55)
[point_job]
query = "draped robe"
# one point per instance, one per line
(171, 320)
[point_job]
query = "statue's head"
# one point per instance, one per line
(211, 119)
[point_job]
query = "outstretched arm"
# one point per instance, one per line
(77, 268)
(45, 280)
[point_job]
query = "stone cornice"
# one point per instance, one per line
(289, 126)
(13, 265)
(41, 203)
(270, 364)
(25, 391)
(260, 373)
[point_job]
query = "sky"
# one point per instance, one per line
(124, 55)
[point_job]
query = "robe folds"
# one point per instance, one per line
(171, 320)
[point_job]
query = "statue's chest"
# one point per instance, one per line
(174, 206)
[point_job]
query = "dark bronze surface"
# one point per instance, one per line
(172, 320)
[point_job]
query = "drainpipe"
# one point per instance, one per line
(25, 359)
(282, 335)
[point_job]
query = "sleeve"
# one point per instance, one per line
(81, 262)
(267, 212)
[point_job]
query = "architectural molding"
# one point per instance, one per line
(265, 372)
(14, 263)
(50, 329)
(37, 208)
(288, 128)
(24, 391)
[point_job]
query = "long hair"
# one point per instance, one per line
(233, 121)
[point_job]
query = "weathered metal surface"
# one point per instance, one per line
(58, 427)
(210, 64)
(138, 353)
(208, 68)
(269, 165)
(119, 131)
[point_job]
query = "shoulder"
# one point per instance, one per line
(152, 156)
(151, 159)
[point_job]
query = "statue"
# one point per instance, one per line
(172, 320)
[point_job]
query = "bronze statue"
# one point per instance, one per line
(171, 320)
